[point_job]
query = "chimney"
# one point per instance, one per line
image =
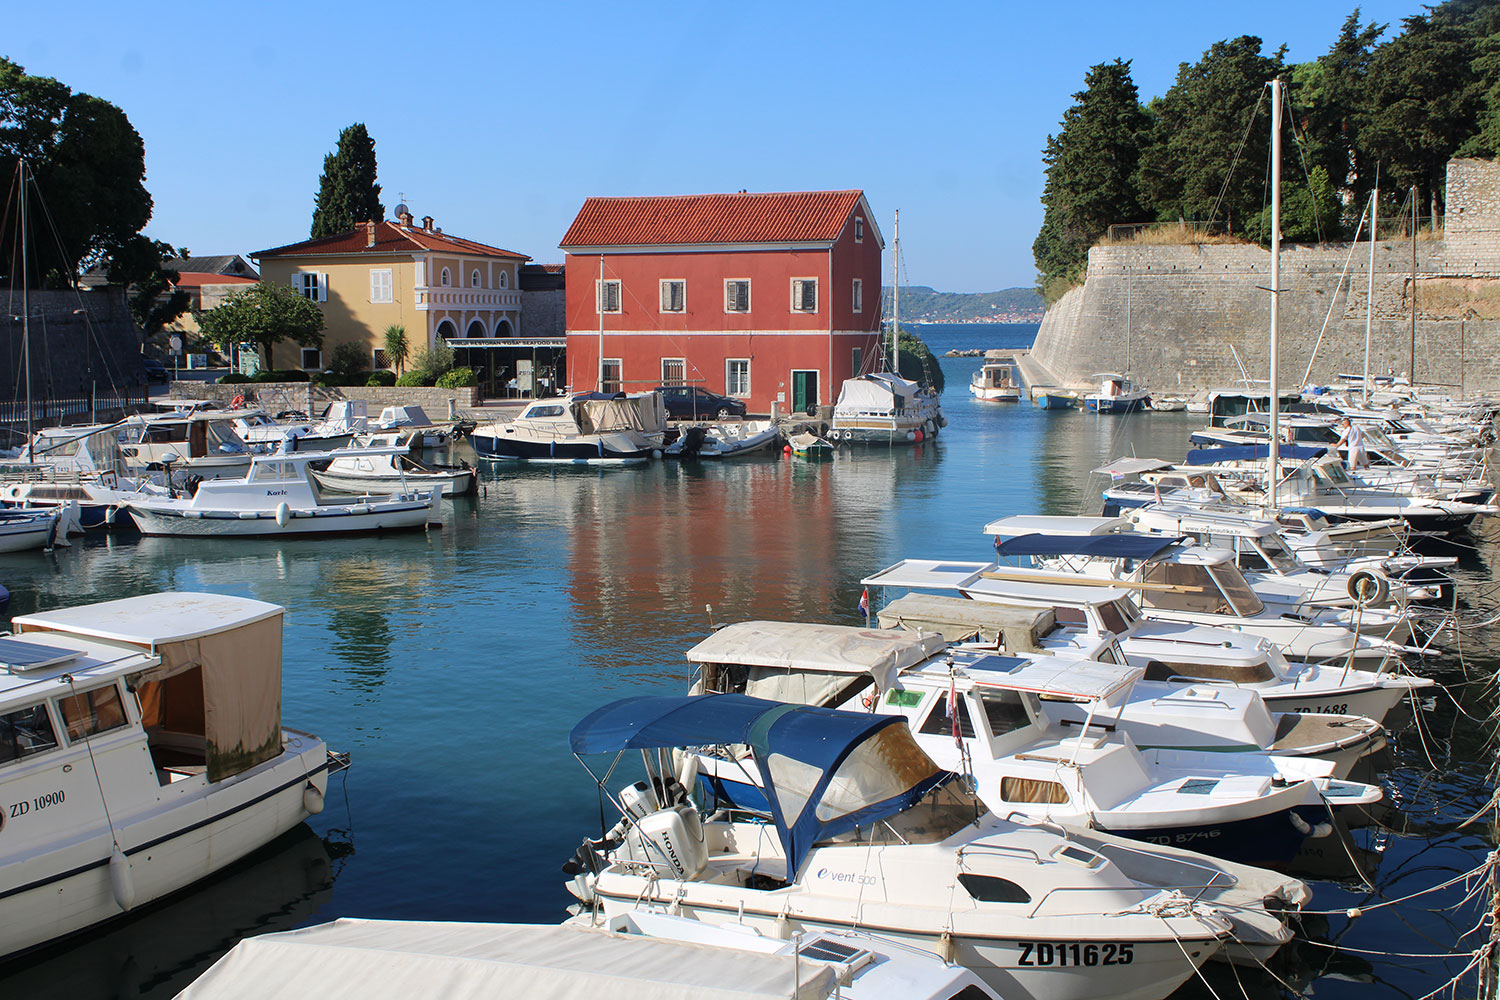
(405, 218)
(369, 234)
(427, 223)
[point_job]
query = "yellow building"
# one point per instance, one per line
(383, 273)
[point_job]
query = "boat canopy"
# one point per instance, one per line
(828, 649)
(880, 390)
(1132, 466)
(824, 771)
(394, 960)
(1025, 524)
(1119, 546)
(1056, 677)
(220, 672)
(1250, 453)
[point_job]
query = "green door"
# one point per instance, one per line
(804, 391)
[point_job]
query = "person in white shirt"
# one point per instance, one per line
(1352, 436)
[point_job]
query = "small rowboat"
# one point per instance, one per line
(809, 446)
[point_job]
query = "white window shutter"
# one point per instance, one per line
(322, 287)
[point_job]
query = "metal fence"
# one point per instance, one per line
(53, 411)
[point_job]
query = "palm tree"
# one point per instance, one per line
(396, 346)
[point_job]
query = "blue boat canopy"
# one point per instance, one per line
(1123, 546)
(824, 772)
(590, 397)
(1251, 452)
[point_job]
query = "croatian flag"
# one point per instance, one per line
(864, 602)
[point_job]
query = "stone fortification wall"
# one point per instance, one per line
(79, 340)
(278, 396)
(1183, 313)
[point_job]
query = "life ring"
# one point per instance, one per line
(868, 700)
(1368, 588)
(237, 402)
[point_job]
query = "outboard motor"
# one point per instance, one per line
(692, 441)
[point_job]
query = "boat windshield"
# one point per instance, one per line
(1234, 586)
(224, 440)
(935, 817)
(1192, 588)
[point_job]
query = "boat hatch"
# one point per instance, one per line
(17, 655)
(1003, 664)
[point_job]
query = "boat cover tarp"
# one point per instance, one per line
(1132, 466)
(880, 391)
(233, 701)
(1122, 546)
(954, 618)
(398, 960)
(1251, 453)
(831, 649)
(825, 772)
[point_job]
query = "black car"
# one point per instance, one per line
(156, 371)
(691, 402)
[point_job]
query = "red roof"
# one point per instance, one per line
(194, 279)
(678, 220)
(390, 237)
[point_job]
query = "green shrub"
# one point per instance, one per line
(458, 378)
(348, 359)
(381, 379)
(281, 375)
(233, 378)
(434, 360)
(413, 378)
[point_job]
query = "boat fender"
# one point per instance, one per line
(312, 799)
(687, 771)
(1368, 588)
(782, 928)
(121, 885)
(911, 435)
(435, 507)
(656, 454)
(283, 514)
(1313, 831)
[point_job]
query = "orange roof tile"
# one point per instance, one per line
(678, 220)
(390, 237)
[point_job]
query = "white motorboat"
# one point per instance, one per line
(143, 750)
(77, 467)
(261, 433)
(884, 408)
(729, 439)
(1169, 404)
(591, 428)
(636, 955)
(201, 443)
(23, 528)
(997, 381)
(277, 497)
(1024, 758)
(1116, 394)
(413, 418)
(868, 833)
(1081, 618)
(381, 467)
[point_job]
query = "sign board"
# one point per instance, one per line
(249, 360)
(197, 360)
(176, 343)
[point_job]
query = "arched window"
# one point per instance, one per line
(474, 279)
(476, 330)
(447, 277)
(504, 279)
(447, 330)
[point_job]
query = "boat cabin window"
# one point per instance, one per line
(1014, 789)
(940, 723)
(545, 411)
(992, 888)
(1189, 588)
(1004, 711)
(224, 440)
(25, 732)
(1069, 616)
(935, 817)
(1234, 585)
(1106, 655)
(1112, 617)
(164, 434)
(89, 713)
(1233, 673)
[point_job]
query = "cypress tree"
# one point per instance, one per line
(347, 192)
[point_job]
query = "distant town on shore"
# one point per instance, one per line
(921, 304)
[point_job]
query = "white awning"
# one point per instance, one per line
(398, 960)
(151, 619)
(1132, 466)
(927, 574)
(1025, 524)
(840, 649)
(1087, 680)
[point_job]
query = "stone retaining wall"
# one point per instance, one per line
(277, 396)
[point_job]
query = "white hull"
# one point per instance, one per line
(262, 524)
(24, 535)
(65, 886)
(452, 484)
(996, 395)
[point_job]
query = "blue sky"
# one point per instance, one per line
(499, 119)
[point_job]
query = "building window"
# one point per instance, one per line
(312, 359)
(673, 295)
(857, 361)
(805, 295)
(737, 296)
(447, 277)
(381, 285)
(859, 295)
(612, 377)
(474, 279)
(504, 279)
(378, 359)
(859, 229)
(607, 296)
(673, 371)
(312, 285)
(737, 376)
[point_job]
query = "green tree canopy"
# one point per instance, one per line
(347, 192)
(1330, 97)
(89, 164)
(264, 314)
(1091, 166)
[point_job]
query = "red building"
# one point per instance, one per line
(769, 298)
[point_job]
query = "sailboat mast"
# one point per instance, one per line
(1370, 287)
(25, 310)
(896, 296)
(599, 298)
(1275, 401)
(1411, 371)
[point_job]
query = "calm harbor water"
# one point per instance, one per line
(452, 665)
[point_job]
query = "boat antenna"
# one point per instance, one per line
(1273, 453)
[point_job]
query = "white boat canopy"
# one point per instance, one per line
(1132, 466)
(1054, 676)
(1025, 524)
(380, 959)
(824, 649)
(220, 670)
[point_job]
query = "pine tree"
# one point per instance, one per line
(347, 192)
(1329, 96)
(1090, 172)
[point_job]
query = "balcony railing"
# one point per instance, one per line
(444, 297)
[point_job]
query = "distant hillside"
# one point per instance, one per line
(920, 304)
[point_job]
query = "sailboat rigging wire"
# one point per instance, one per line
(1213, 212)
(1302, 158)
(1353, 244)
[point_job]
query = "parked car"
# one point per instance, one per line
(156, 371)
(691, 402)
